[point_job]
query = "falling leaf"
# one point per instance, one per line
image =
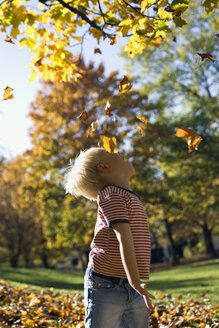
(8, 94)
(83, 116)
(107, 110)
(206, 56)
(124, 85)
(140, 127)
(9, 39)
(109, 144)
(190, 136)
(142, 118)
(217, 35)
(113, 40)
(38, 63)
(93, 128)
(97, 51)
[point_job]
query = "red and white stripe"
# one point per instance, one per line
(116, 203)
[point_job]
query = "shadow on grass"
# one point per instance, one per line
(44, 278)
(174, 285)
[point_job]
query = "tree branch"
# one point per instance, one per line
(102, 14)
(133, 8)
(83, 16)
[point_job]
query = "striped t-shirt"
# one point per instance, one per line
(116, 204)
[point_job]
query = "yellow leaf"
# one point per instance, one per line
(124, 85)
(142, 118)
(190, 136)
(162, 3)
(155, 315)
(164, 14)
(145, 4)
(33, 75)
(8, 93)
(109, 144)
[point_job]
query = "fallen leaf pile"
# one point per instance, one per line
(26, 308)
(173, 312)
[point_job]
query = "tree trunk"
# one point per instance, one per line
(14, 260)
(175, 257)
(208, 240)
(44, 258)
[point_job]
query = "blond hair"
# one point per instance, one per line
(82, 177)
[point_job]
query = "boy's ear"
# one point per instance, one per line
(103, 168)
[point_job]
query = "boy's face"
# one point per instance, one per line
(117, 165)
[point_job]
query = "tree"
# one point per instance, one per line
(52, 29)
(18, 215)
(58, 134)
(184, 92)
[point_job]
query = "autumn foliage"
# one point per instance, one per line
(24, 307)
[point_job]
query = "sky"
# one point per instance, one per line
(14, 123)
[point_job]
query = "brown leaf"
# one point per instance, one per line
(93, 128)
(107, 110)
(97, 51)
(190, 136)
(8, 93)
(113, 40)
(9, 39)
(206, 56)
(38, 63)
(141, 129)
(124, 85)
(83, 116)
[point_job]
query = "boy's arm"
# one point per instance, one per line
(127, 251)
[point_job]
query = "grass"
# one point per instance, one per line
(188, 280)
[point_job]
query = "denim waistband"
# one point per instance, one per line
(115, 280)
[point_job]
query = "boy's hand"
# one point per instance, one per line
(141, 288)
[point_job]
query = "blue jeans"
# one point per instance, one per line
(109, 305)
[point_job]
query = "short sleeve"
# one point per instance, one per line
(114, 208)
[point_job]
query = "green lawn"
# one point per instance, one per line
(189, 280)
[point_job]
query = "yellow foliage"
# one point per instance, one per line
(165, 14)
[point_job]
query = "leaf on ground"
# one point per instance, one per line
(8, 93)
(190, 136)
(24, 307)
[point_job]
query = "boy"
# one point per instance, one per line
(115, 297)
